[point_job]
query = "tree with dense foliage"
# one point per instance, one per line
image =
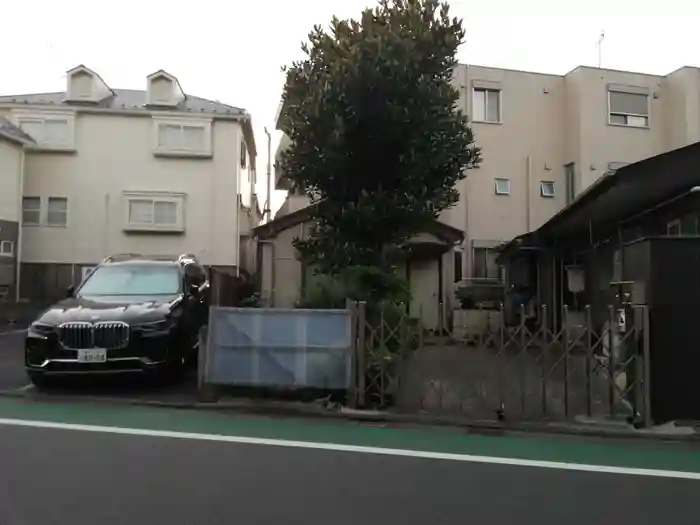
(376, 137)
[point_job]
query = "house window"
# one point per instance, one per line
(502, 186)
(57, 211)
(628, 109)
(484, 264)
(7, 248)
(547, 188)
(52, 132)
(458, 265)
(570, 176)
(31, 211)
(244, 155)
(154, 212)
(183, 137)
(486, 105)
(673, 228)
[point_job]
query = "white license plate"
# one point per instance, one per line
(92, 355)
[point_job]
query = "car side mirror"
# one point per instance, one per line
(194, 290)
(70, 290)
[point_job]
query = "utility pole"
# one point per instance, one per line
(600, 48)
(268, 201)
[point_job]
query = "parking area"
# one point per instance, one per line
(13, 378)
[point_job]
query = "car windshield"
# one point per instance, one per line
(132, 279)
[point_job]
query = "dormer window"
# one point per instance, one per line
(84, 85)
(81, 85)
(161, 91)
(164, 90)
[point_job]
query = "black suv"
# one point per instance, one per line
(132, 313)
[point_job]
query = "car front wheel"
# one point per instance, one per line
(40, 381)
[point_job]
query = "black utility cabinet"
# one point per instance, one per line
(669, 268)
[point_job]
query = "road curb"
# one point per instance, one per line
(318, 411)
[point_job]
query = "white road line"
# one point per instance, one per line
(602, 469)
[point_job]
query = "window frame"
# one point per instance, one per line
(244, 155)
(159, 150)
(612, 113)
(18, 116)
(47, 221)
(545, 194)
(3, 244)
(458, 262)
(175, 198)
(482, 249)
(37, 210)
(570, 182)
(486, 111)
(495, 186)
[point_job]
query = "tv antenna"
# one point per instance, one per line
(600, 47)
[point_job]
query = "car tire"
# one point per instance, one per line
(40, 381)
(175, 369)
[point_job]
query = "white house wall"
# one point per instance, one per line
(114, 155)
(10, 180)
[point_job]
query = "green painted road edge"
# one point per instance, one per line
(630, 455)
(315, 411)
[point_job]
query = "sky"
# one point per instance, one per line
(233, 51)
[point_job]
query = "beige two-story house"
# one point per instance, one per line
(546, 139)
(153, 171)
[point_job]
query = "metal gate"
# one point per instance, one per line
(484, 368)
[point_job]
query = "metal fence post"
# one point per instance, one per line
(589, 361)
(361, 352)
(647, 368)
(567, 353)
(522, 356)
(612, 320)
(543, 366)
(206, 392)
(354, 371)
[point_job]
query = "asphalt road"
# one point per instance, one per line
(58, 476)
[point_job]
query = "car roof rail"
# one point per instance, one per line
(187, 257)
(120, 257)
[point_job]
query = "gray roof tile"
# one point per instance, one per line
(9, 130)
(125, 99)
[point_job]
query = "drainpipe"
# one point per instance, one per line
(20, 232)
(268, 179)
(468, 250)
(528, 183)
(108, 231)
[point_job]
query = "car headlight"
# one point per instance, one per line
(41, 329)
